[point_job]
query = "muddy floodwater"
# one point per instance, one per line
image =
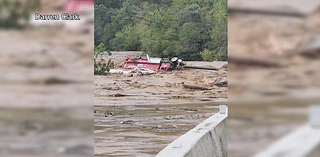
(144, 129)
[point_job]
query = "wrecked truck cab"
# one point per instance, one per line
(180, 63)
(176, 63)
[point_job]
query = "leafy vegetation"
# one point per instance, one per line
(101, 67)
(190, 29)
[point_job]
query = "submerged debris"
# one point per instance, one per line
(132, 71)
(127, 122)
(223, 82)
(312, 48)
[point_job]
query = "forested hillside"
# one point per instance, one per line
(190, 29)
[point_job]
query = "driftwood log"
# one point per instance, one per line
(195, 87)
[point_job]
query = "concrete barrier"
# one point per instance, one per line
(208, 139)
(304, 142)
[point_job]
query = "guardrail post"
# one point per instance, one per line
(223, 109)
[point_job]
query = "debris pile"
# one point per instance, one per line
(132, 71)
(145, 65)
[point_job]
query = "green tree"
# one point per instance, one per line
(191, 29)
(219, 34)
(102, 16)
(127, 39)
(101, 67)
(157, 37)
(190, 42)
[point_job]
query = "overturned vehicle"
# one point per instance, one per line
(152, 63)
(144, 65)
